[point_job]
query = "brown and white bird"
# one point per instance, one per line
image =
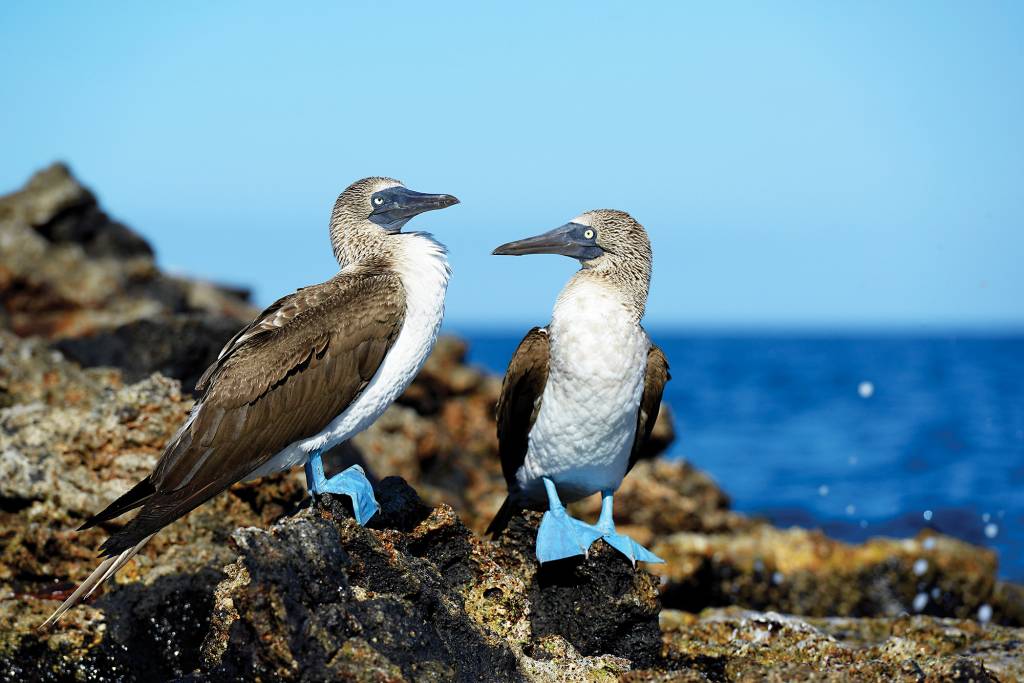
(581, 395)
(314, 369)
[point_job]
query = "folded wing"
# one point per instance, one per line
(655, 377)
(281, 379)
(518, 406)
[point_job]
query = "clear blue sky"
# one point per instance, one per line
(814, 164)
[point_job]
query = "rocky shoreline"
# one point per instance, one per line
(98, 352)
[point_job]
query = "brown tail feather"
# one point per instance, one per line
(501, 520)
(104, 571)
(136, 496)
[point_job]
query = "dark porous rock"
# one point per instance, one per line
(318, 597)
(138, 632)
(400, 506)
(178, 346)
(601, 604)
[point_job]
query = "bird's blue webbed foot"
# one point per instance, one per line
(624, 544)
(560, 535)
(352, 482)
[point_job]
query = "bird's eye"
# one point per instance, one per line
(378, 200)
(588, 233)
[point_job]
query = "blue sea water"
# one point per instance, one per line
(857, 435)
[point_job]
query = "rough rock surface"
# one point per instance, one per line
(738, 645)
(67, 269)
(180, 346)
(260, 584)
(805, 572)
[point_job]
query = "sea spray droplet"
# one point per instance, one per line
(866, 389)
(823, 490)
(985, 613)
(929, 543)
(920, 566)
(920, 601)
(986, 518)
(851, 510)
(927, 515)
(991, 530)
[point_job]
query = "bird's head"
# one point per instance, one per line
(610, 245)
(376, 207)
(386, 203)
(599, 239)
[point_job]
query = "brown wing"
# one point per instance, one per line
(283, 378)
(517, 409)
(655, 377)
(521, 393)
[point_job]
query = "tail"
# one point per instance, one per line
(107, 568)
(501, 520)
(137, 496)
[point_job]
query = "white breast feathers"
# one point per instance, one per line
(586, 426)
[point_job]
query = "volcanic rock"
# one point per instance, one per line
(98, 353)
(67, 269)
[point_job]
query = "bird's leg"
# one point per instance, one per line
(352, 483)
(560, 535)
(624, 544)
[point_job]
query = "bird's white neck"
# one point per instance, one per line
(593, 302)
(422, 263)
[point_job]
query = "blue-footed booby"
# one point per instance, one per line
(581, 395)
(311, 371)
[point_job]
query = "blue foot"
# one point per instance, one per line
(352, 483)
(624, 544)
(560, 536)
(630, 548)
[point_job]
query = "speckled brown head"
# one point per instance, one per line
(609, 244)
(370, 210)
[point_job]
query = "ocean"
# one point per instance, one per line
(858, 435)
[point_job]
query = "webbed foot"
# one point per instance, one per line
(630, 548)
(561, 536)
(624, 544)
(352, 482)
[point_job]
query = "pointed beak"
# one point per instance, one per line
(399, 204)
(568, 240)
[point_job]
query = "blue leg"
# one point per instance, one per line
(624, 544)
(560, 535)
(352, 483)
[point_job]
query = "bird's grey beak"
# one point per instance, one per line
(568, 240)
(395, 206)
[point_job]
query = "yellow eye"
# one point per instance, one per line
(588, 233)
